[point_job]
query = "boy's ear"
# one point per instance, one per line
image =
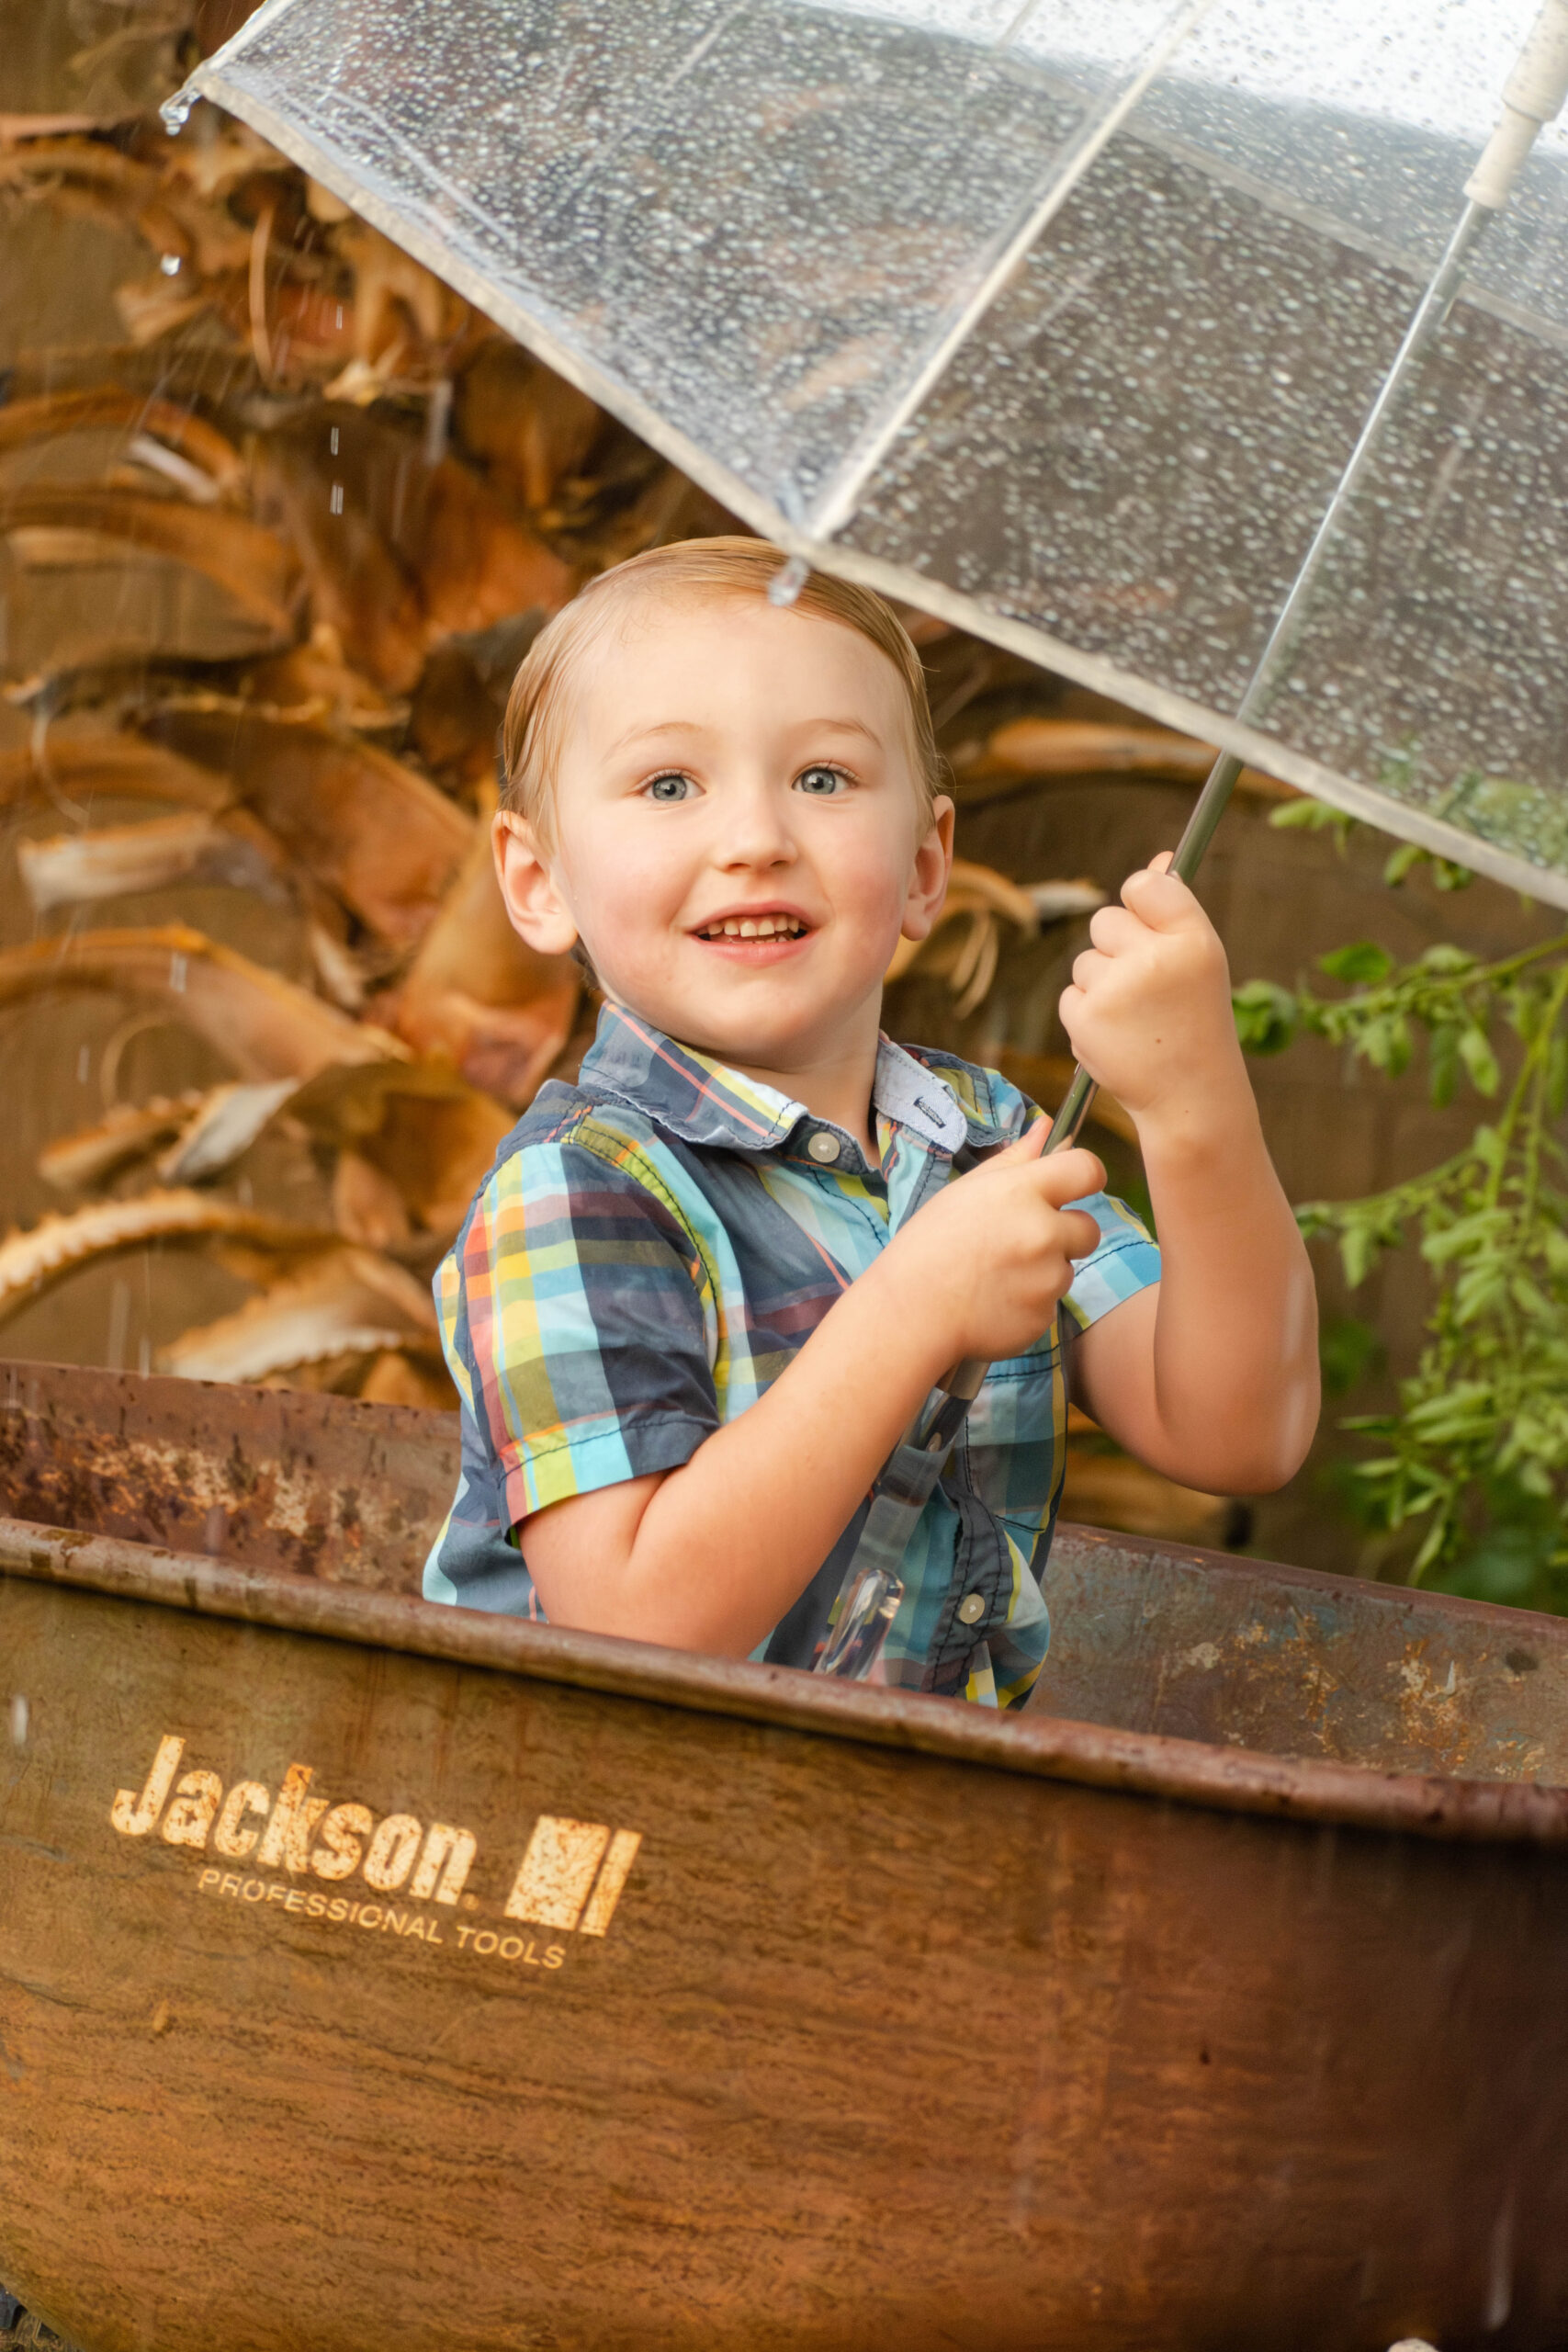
(933, 863)
(535, 907)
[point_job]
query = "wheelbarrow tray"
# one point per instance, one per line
(715, 2006)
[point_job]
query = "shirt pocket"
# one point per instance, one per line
(1014, 1437)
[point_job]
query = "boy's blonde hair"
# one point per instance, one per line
(531, 736)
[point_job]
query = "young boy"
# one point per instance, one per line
(704, 1290)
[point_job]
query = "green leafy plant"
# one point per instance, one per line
(1472, 1469)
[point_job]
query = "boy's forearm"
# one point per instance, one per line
(1223, 1394)
(728, 1543)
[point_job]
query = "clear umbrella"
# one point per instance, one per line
(1060, 320)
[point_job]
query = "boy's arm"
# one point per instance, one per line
(1211, 1375)
(711, 1555)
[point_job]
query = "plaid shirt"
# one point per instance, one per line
(649, 1250)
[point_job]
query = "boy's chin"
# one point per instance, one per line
(771, 1034)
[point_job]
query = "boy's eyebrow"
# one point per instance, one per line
(651, 734)
(694, 727)
(847, 727)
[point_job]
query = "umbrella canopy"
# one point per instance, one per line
(1059, 322)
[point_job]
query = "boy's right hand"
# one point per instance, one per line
(983, 1266)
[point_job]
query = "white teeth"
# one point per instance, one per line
(754, 927)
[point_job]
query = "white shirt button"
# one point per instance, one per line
(971, 1609)
(824, 1148)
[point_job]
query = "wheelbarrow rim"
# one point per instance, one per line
(1181, 1772)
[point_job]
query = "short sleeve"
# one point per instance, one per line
(1126, 1261)
(581, 1331)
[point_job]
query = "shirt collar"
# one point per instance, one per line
(701, 1101)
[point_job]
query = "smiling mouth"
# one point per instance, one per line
(778, 927)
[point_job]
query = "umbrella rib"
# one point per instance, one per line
(840, 508)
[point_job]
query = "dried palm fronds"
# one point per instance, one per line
(76, 768)
(245, 243)
(367, 1206)
(373, 831)
(67, 524)
(419, 1125)
(17, 127)
(416, 1381)
(358, 586)
(57, 1245)
(528, 426)
(225, 1122)
(130, 1131)
(264, 1026)
(984, 900)
(412, 1142)
(312, 681)
(198, 231)
(479, 995)
(1040, 746)
(206, 1132)
(74, 869)
(191, 437)
(83, 177)
(476, 561)
(214, 165)
(399, 551)
(454, 717)
(350, 1303)
(398, 304)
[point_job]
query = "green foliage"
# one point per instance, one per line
(1348, 1350)
(1364, 961)
(1474, 1462)
(1472, 797)
(1312, 817)
(1265, 1016)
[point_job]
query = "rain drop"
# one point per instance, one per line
(786, 585)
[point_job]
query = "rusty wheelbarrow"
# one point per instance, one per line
(374, 1974)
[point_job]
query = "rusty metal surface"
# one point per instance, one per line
(1146, 1638)
(861, 2044)
(1424, 1804)
(1203, 1646)
(302, 1484)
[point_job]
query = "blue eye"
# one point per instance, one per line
(668, 789)
(822, 783)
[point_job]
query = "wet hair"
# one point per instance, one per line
(537, 707)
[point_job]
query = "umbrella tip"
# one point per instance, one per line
(788, 581)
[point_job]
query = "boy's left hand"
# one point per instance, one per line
(1149, 1012)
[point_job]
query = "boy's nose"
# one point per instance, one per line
(756, 830)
